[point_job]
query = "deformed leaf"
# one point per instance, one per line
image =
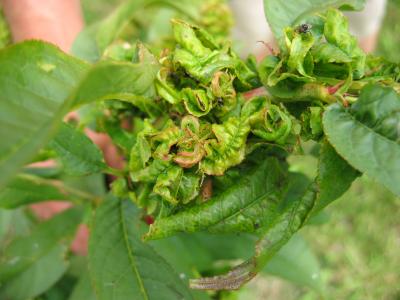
(197, 102)
(140, 152)
(267, 121)
(272, 239)
(300, 45)
(336, 32)
(228, 148)
(244, 206)
(121, 266)
(328, 53)
(177, 186)
(282, 13)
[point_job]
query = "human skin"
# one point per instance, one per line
(55, 21)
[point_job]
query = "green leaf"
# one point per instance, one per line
(25, 190)
(37, 278)
(294, 262)
(13, 223)
(362, 147)
(78, 154)
(34, 100)
(133, 83)
(24, 252)
(241, 207)
(335, 176)
(121, 266)
(6, 218)
(379, 108)
(281, 13)
(36, 80)
(120, 137)
(83, 289)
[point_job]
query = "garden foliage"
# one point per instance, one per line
(202, 156)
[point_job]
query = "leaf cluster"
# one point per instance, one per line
(202, 156)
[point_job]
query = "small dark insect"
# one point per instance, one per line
(220, 101)
(304, 28)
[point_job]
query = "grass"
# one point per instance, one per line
(359, 246)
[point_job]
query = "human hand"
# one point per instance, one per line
(54, 21)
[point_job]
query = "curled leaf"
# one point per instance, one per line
(150, 173)
(312, 123)
(267, 120)
(164, 140)
(165, 88)
(272, 239)
(243, 206)
(300, 46)
(174, 186)
(329, 53)
(185, 35)
(336, 32)
(197, 102)
(187, 158)
(228, 148)
(216, 16)
(223, 90)
(190, 147)
(141, 151)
